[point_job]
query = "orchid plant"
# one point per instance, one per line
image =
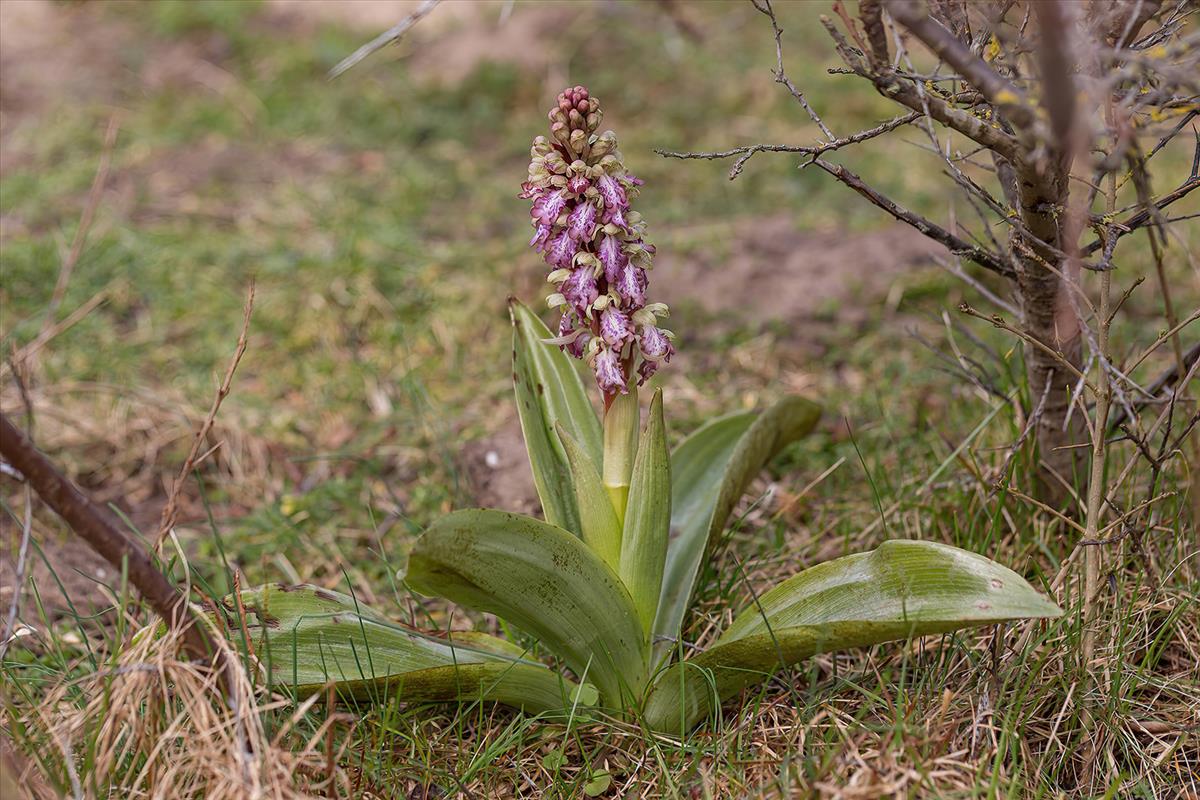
(606, 580)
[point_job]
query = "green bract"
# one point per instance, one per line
(605, 583)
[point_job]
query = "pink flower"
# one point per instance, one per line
(561, 250)
(579, 290)
(654, 344)
(576, 346)
(541, 235)
(656, 349)
(610, 255)
(547, 208)
(610, 376)
(612, 192)
(582, 222)
(615, 328)
(631, 286)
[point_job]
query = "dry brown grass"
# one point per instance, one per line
(153, 726)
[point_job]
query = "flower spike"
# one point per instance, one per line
(595, 246)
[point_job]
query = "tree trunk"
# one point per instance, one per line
(1050, 318)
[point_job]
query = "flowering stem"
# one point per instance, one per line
(621, 423)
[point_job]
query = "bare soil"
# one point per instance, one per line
(66, 573)
(498, 470)
(455, 37)
(771, 272)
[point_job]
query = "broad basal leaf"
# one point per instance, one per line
(545, 581)
(901, 589)
(549, 391)
(308, 637)
(710, 471)
(647, 518)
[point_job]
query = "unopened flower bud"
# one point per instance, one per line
(577, 140)
(604, 144)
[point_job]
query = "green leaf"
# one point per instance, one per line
(901, 589)
(308, 637)
(648, 518)
(555, 760)
(549, 391)
(710, 471)
(597, 518)
(545, 581)
(598, 783)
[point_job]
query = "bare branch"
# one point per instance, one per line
(749, 150)
(391, 35)
(97, 527)
(764, 6)
(171, 510)
(980, 256)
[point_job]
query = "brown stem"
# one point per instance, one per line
(957, 246)
(997, 89)
(96, 526)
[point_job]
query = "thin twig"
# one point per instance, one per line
(70, 321)
(748, 151)
(956, 245)
(171, 510)
(764, 6)
(18, 583)
(1000, 322)
(392, 34)
(1164, 337)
